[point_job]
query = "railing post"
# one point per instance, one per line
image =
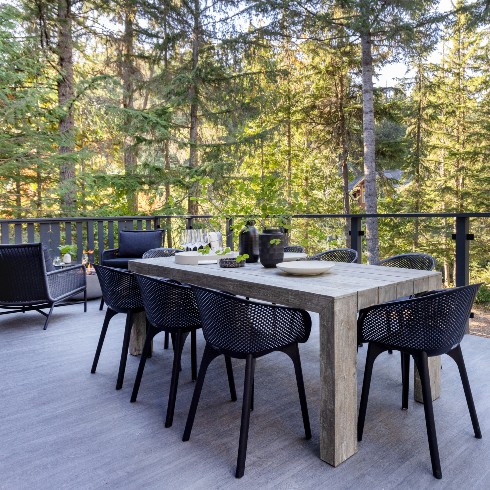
(188, 223)
(229, 233)
(356, 236)
(462, 250)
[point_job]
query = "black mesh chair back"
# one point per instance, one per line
(171, 308)
(422, 327)
(337, 255)
(241, 328)
(28, 281)
(160, 252)
(418, 261)
(22, 272)
(294, 248)
(432, 323)
(168, 305)
(120, 289)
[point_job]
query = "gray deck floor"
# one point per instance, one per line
(62, 427)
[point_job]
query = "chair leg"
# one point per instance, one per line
(124, 351)
(109, 314)
(245, 423)
(231, 379)
(165, 343)
(48, 317)
(101, 306)
(207, 357)
(150, 333)
(193, 355)
(172, 396)
(374, 350)
(405, 364)
(85, 300)
(457, 355)
(293, 352)
(423, 368)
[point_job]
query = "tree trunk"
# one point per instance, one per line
(192, 207)
(418, 154)
(344, 153)
(65, 101)
(128, 72)
(369, 149)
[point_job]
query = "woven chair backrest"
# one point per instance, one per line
(169, 305)
(432, 323)
(423, 262)
(120, 289)
(159, 252)
(239, 327)
(22, 274)
(294, 248)
(337, 255)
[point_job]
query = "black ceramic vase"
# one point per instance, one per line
(248, 242)
(271, 253)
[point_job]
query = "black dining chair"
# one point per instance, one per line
(155, 253)
(294, 248)
(246, 329)
(423, 327)
(170, 307)
(414, 260)
(337, 255)
(121, 294)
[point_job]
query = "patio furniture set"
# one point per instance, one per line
(180, 299)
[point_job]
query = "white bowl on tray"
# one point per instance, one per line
(306, 267)
(195, 258)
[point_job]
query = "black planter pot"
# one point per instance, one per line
(271, 254)
(248, 242)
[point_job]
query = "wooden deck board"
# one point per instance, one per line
(62, 427)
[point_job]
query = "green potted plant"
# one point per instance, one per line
(67, 251)
(225, 261)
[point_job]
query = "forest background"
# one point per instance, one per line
(257, 108)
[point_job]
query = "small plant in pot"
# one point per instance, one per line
(67, 251)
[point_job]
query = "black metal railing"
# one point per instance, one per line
(100, 233)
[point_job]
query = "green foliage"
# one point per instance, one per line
(68, 249)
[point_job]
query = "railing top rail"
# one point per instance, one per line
(208, 216)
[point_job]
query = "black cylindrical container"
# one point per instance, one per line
(271, 253)
(248, 242)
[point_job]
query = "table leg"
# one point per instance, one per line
(338, 380)
(138, 334)
(435, 380)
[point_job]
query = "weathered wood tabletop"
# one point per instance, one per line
(336, 296)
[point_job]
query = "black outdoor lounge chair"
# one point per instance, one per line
(28, 280)
(132, 244)
(422, 327)
(245, 329)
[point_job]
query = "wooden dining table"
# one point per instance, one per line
(336, 296)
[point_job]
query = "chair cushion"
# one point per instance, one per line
(119, 263)
(135, 243)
